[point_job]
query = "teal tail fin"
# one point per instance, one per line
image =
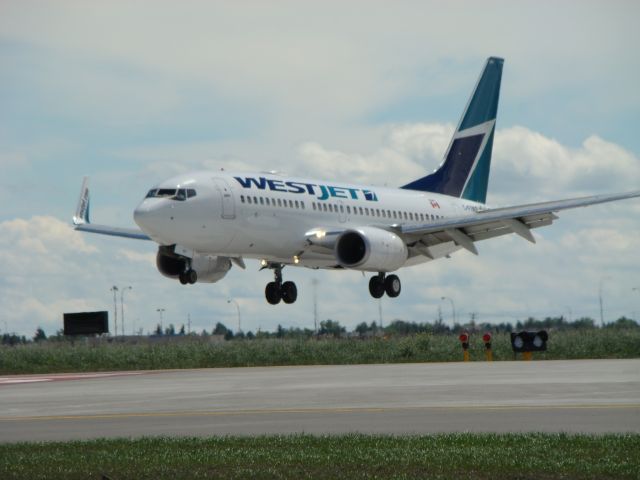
(465, 170)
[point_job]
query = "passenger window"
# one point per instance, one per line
(248, 199)
(261, 200)
(242, 198)
(302, 205)
(290, 203)
(297, 204)
(348, 209)
(279, 203)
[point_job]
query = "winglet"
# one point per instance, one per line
(82, 210)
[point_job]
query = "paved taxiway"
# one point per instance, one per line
(573, 396)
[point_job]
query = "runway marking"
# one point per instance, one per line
(14, 380)
(276, 411)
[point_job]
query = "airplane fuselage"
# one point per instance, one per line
(269, 216)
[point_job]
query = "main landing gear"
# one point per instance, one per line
(379, 284)
(279, 290)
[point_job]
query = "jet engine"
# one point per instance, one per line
(209, 268)
(370, 249)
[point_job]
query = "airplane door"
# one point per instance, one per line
(228, 203)
(342, 212)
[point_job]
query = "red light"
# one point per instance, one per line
(486, 338)
(464, 337)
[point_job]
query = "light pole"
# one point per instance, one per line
(315, 305)
(570, 313)
(600, 298)
(122, 290)
(453, 308)
(160, 310)
(114, 289)
(237, 308)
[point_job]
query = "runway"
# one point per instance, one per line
(593, 396)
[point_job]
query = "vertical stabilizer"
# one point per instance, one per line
(464, 173)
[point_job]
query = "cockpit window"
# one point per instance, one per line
(166, 192)
(180, 194)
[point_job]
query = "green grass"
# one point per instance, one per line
(446, 456)
(51, 357)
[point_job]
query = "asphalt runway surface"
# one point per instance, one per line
(592, 396)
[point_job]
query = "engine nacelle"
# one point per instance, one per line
(209, 268)
(371, 249)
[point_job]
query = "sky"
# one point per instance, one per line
(131, 93)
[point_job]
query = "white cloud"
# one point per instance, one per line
(527, 163)
(138, 257)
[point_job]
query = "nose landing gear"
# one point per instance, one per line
(279, 290)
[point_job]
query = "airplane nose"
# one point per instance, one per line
(145, 214)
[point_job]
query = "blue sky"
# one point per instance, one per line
(131, 93)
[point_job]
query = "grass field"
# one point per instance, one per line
(446, 456)
(51, 357)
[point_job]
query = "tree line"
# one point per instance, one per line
(333, 328)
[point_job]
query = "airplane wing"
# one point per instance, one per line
(81, 219)
(519, 219)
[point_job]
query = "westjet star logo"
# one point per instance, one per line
(321, 192)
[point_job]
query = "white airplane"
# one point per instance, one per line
(206, 221)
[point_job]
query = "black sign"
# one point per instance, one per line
(86, 323)
(529, 341)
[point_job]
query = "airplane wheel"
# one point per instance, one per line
(183, 278)
(272, 293)
(392, 286)
(376, 287)
(289, 292)
(192, 276)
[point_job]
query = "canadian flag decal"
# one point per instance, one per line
(434, 204)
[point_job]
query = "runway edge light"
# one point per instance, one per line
(464, 340)
(488, 353)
